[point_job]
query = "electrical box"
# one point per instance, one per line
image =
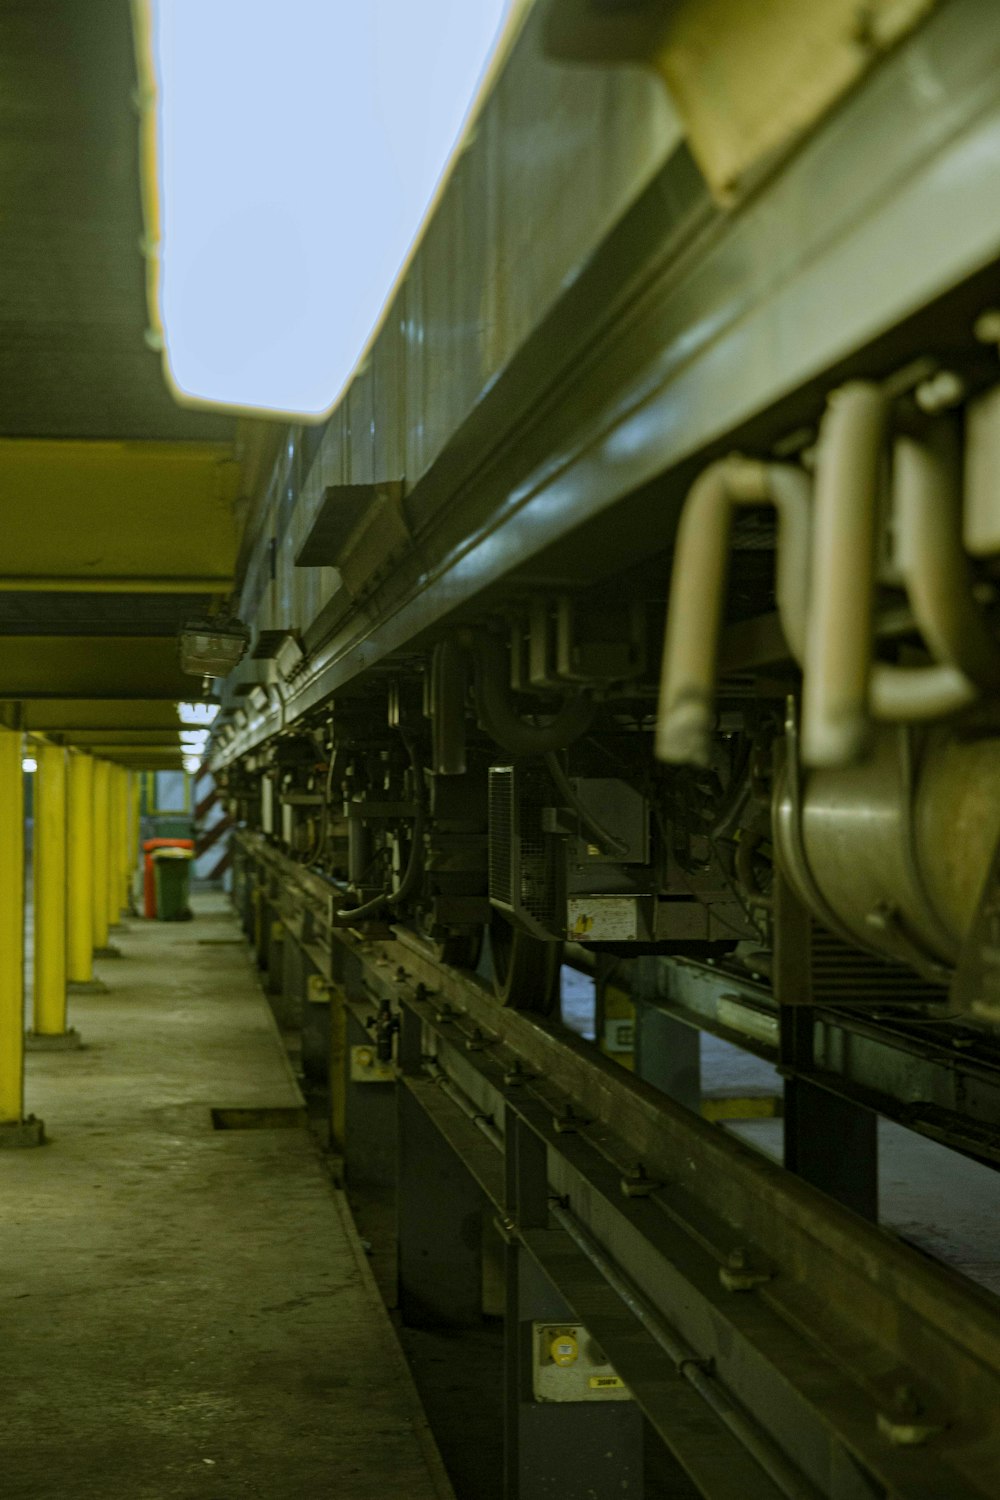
(549, 878)
(568, 1365)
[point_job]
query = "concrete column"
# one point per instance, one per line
(80, 892)
(15, 1130)
(49, 998)
(101, 860)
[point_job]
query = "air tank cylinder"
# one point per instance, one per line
(893, 852)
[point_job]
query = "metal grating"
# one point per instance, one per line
(521, 855)
(536, 876)
(846, 976)
(501, 836)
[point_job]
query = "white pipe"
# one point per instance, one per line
(838, 657)
(698, 585)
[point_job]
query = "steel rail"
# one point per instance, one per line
(850, 1349)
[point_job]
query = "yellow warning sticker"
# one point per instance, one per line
(605, 1383)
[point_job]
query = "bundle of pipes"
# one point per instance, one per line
(827, 553)
(886, 840)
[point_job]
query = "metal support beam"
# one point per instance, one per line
(112, 893)
(551, 1447)
(829, 1141)
(125, 845)
(80, 891)
(15, 1130)
(11, 929)
(49, 865)
(667, 1053)
(132, 852)
(101, 854)
(440, 1219)
(722, 1289)
(40, 583)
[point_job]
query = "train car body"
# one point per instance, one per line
(641, 596)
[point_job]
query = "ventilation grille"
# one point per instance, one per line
(535, 851)
(522, 855)
(846, 976)
(502, 834)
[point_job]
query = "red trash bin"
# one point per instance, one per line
(148, 872)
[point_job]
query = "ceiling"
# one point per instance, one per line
(118, 507)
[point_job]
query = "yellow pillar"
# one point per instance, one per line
(111, 894)
(130, 843)
(80, 893)
(101, 859)
(15, 1130)
(11, 929)
(49, 860)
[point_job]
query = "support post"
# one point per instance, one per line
(132, 847)
(113, 891)
(667, 1053)
(102, 778)
(120, 790)
(15, 1130)
(829, 1141)
(551, 1447)
(80, 891)
(49, 1029)
(440, 1220)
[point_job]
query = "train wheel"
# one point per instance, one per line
(525, 969)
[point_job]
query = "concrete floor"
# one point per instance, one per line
(184, 1311)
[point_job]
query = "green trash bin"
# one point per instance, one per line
(172, 869)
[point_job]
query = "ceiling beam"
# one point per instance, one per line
(82, 513)
(100, 715)
(79, 666)
(31, 583)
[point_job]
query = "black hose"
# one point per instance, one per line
(414, 865)
(337, 762)
(500, 718)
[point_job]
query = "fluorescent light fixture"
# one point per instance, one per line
(29, 764)
(292, 153)
(194, 740)
(197, 713)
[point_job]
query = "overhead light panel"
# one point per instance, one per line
(292, 154)
(197, 714)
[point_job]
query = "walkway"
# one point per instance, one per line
(187, 1311)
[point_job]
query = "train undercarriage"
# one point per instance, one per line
(677, 661)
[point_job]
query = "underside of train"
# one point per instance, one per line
(557, 688)
(639, 608)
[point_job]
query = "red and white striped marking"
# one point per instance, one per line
(212, 851)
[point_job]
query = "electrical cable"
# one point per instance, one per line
(607, 842)
(415, 864)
